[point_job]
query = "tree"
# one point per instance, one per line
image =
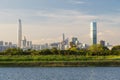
(73, 51)
(115, 50)
(54, 51)
(13, 51)
(45, 52)
(98, 50)
(83, 52)
(33, 52)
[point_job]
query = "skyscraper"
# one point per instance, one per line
(24, 43)
(19, 33)
(63, 42)
(93, 31)
(63, 37)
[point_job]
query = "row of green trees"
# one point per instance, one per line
(94, 50)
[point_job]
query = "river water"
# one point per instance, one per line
(60, 73)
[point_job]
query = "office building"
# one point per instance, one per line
(102, 42)
(23, 43)
(19, 34)
(29, 44)
(6, 45)
(74, 40)
(55, 45)
(1, 43)
(63, 44)
(93, 30)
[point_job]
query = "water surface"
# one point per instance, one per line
(60, 73)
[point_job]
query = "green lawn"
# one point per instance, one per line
(57, 58)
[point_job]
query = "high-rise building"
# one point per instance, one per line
(1, 43)
(23, 43)
(74, 40)
(93, 31)
(29, 44)
(102, 42)
(63, 44)
(63, 37)
(6, 43)
(10, 44)
(19, 33)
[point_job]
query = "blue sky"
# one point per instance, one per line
(46, 20)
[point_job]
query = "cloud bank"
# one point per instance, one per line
(45, 26)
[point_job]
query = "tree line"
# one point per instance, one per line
(94, 50)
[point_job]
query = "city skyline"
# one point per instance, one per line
(45, 21)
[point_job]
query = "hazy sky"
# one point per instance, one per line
(46, 20)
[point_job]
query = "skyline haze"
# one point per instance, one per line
(45, 21)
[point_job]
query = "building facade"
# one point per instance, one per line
(102, 42)
(93, 31)
(19, 34)
(6, 45)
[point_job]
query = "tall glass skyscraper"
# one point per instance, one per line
(93, 31)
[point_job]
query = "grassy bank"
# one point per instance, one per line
(58, 60)
(61, 64)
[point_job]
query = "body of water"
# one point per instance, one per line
(60, 73)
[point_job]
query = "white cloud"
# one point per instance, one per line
(45, 26)
(76, 2)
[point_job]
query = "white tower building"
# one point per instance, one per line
(19, 34)
(93, 31)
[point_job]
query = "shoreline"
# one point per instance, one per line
(61, 64)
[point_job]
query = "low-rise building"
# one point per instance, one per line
(6, 45)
